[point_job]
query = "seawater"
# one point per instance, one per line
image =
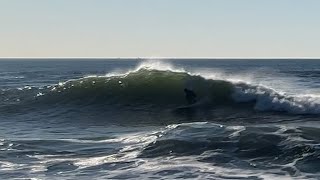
(129, 119)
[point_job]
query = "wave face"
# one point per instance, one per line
(161, 85)
(144, 86)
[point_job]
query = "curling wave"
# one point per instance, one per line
(163, 85)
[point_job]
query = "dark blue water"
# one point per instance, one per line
(120, 119)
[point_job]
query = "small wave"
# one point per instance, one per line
(173, 151)
(248, 147)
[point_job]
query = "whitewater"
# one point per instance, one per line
(129, 119)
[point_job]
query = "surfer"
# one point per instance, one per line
(190, 96)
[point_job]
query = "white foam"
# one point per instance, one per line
(133, 144)
(268, 99)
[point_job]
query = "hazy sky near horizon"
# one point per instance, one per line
(160, 28)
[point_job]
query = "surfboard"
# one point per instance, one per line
(187, 108)
(191, 106)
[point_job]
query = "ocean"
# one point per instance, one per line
(131, 119)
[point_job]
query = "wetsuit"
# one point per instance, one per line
(190, 96)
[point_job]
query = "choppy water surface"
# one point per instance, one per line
(120, 119)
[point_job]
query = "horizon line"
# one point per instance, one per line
(159, 58)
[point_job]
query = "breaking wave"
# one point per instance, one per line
(161, 84)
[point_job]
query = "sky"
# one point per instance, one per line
(160, 28)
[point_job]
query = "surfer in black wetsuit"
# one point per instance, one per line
(190, 96)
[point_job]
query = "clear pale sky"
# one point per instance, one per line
(159, 28)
